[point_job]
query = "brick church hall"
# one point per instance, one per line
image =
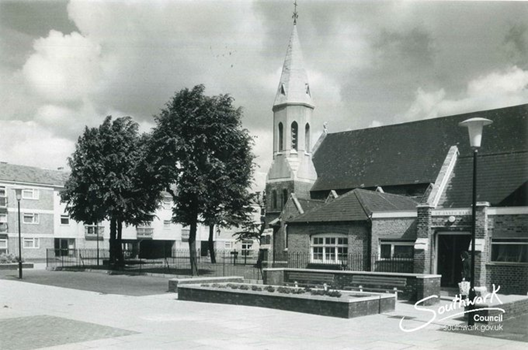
(396, 198)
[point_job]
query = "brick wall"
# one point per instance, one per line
(392, 228)
(299, 237)
(422, 258)
(512, 279)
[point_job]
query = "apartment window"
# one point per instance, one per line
(91, 230)
(65, 220)
(167, 202)
(30, 193)
(3, 218)
(167, 224)
(31, 243)
(185, 234)
(513, 250)
(329, 248)
(228, 245)
(3, 243)
(30, 218)
(396, 250)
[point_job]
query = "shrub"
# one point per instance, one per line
(205, 285)
(270, 289)
(244, 287)
(234, 286)
(284, 290)
(8, 258)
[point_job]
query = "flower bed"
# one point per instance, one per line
(10, 262)
(334, 303)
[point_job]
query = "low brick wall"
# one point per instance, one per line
(513, 308)
(418, 286)
(512, 278)
(15, 266)
(176, 282)
(348, 307)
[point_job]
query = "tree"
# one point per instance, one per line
(199, 145)
(110, 180)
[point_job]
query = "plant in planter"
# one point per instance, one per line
(244, 287)
(270, 289)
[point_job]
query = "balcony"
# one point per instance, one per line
(91, 234)
(3, 227)
(144, 232)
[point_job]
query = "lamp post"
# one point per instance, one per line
(18, 194)
(475, 126)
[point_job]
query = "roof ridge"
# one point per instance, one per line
(431, 119)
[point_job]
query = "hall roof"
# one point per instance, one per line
(412, 153)
(13, 173)
(356, 205)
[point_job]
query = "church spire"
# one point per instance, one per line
(294, 87)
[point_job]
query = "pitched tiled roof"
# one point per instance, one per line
(356, 205)
(501, 180)
(32, 175)
(411, 153)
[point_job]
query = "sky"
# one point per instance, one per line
(65, 65)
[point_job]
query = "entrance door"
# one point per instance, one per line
(449, 263)
(64, 246)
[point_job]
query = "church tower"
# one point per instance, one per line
(292, 170)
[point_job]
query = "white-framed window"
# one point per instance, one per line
(65, 219)
(31, 243)
(228, 245)
(185, 232)
(396, 250)
(3, 243)
(167, 202)
(329, 248)
(30, 193)
(512, 250)
(3, 218)
(167, 224)
(30, 218)
(91, 230)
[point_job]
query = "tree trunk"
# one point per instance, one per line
(192, 248)
(210, 244)
(113, 229)
(119, 246)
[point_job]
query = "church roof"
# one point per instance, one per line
(412, 153)
(293, 85)
(356, 205)
(501, 180)
(32, 175)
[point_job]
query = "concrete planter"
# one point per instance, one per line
(14, 266)
(349, 305)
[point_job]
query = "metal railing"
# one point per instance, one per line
(348, 262)
(228, 263)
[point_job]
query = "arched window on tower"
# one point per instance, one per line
(281, 138)
(273, 199)
(294, 136)
(307, 138)
(284, 197)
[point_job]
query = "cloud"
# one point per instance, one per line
(27, 143)
(494, 90)
(63, 68)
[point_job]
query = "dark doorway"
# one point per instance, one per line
(204, 248)
(64, 246)
(449, 263)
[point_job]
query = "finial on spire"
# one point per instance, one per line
(295, 15)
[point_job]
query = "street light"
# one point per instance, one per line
(18, 195)
(475, 126)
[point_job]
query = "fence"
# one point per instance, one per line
(228, 263)
(349, 262)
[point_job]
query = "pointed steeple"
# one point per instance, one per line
(294, 87)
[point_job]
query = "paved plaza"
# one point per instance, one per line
(35, 316)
